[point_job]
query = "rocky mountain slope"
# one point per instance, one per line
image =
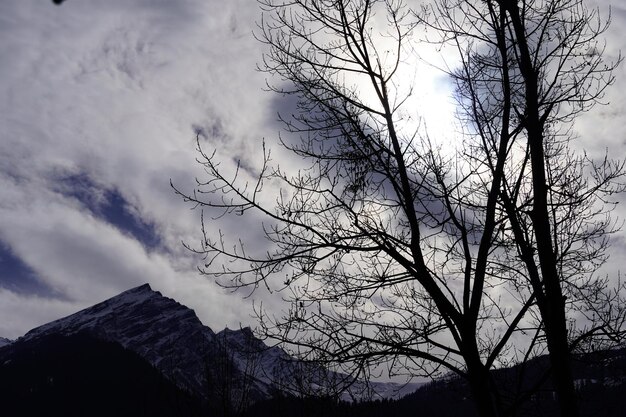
(165, 333)
(232, 366)
(4, 341)
(140, 353)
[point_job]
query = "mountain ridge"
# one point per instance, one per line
(96, 356)
(171, 337)
(4, 341)
(165, 333)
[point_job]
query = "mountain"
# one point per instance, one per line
(278, 371)
(143, 354)
(4, 341)
(162, 331)
(232, 367)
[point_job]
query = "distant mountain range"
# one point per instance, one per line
(165, 342)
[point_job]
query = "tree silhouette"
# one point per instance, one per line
(391, 249)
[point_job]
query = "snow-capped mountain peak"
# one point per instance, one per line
(170, 336)
(162, 331)
(104, 314)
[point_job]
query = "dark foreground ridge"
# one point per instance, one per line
(79, 375)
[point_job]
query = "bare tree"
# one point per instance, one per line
(528, 69)
(390, 249)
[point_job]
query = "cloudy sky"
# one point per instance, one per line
(100, 103)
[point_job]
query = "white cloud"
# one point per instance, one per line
(115, 90)
(88, 260)
(112, 89)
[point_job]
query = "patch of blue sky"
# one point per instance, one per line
(16, 276)
(109, 205)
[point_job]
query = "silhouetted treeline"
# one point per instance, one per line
(600, 380)
(81, 376)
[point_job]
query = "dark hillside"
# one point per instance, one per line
(600, 381)
(81, 376)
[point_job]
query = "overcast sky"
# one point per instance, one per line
(100, 102)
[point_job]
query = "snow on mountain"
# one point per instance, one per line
(165, 333)
(171, 337)
(274, 368)
(267, 364)
(4, 341)
(393, 390)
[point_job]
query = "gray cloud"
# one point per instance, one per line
(115, 92)
(98, 103)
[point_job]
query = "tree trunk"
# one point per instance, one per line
(483, 391)
(553, 308)
(485, 399)
(556, 335)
